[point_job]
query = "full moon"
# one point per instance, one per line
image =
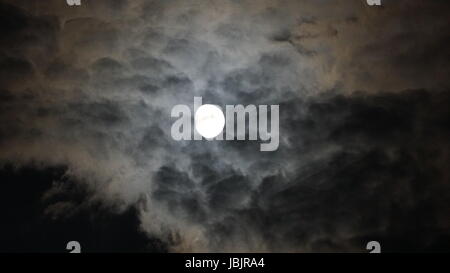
(209, 121)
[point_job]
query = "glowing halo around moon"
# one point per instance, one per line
(209, 121)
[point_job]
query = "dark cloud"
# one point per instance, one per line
(15, 68)
(385, 176)
(54, 210)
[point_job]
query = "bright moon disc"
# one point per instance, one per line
(209, 121)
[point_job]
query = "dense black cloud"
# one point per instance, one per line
(364, 136)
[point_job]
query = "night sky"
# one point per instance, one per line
(86, 153)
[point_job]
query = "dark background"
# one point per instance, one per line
(86, 153)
